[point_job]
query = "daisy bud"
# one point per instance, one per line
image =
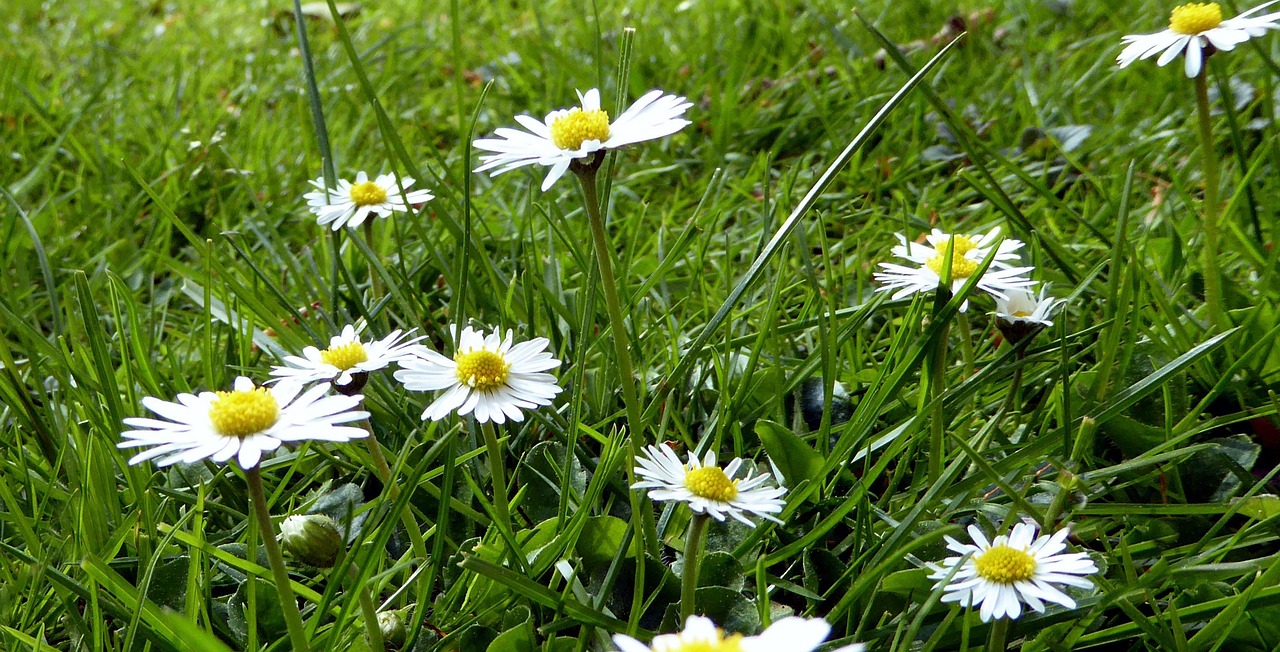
(391, 623)
(312, 538)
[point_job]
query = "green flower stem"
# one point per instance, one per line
(498, 475)
(1209, 252)
(937, 386)
(966, 343)
(996, 642)
(375, 282)
(621, 348)
(369, 611)
(692, 555)
(288, 603)
(383, 470)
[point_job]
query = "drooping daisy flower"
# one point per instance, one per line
(350, 204)
(487, 377)
(701, 635)
(568, 135)
(707, 488)
(242, 423)
(967, 254)
(1023, 307)
(346, 356)
(1194, 27)
(1012, 569)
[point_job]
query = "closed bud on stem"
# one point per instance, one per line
(312, 538)
(391, 623)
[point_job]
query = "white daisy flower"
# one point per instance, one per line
(1024, 308)
(707, 488)
(346, 356)
(967, 254)
(242, 423)
(1194, 27)
(487, 376)
(569, 135)
(1002, 574)
(350, 204)
(700, 634)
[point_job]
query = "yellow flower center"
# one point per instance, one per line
(243, 413)
(368, 194)
(569, 131)
(731, 643)
(345, 356)
(1021, 314)
(962, 244)
(1004, 565)
(1195, 18)
(711, 483)
(960, 267)
(482, 370)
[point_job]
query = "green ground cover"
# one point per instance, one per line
(155, 241)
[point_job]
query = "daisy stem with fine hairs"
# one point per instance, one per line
(937, 365)
(368, 610)
(692, 555)
(288, 604)
(383, 469)
(997, 639)
(498, 476)
(1209, 249)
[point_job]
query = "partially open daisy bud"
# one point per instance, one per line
(392, 625)
(312, 538)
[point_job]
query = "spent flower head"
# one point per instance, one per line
(242, 423)
(350, 204)
(347, 356)
(1009, 570)
(571, 135)
(705, 487)
(1197, 29)
(488, 376)
(700, 634)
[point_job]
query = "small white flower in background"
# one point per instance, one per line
(346, 355)
(967, 254)
(1012, 569)
(487, 377)
(1194, 27)
(705, 487)
(1024, 308)
(700, 634)
(350, 204)
(568, 135)
(242, 423)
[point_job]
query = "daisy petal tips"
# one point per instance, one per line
(1002, 574)
(792, 634)
(487, 377)
(707, 488)
(243, 423)
(1193, 28)
(350, 204)
(568, 135)
(346, 357)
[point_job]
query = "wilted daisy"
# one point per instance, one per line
(1012, 569)
(350, 204)
(487, 377)
(242, 423)
(568, 135)
(705, 487)
(700, 634)
(1193, 28)
(346, 356)
(967, 254)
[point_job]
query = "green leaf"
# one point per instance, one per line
(730, 610)
(600, 540)
(721, 569)
(795, 460)
(1261, 507)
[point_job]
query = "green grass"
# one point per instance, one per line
(153, 158)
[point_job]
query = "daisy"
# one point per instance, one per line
(350, 204)
(1002, 574)
(347, 356)
(707, 488)
(487, 376)
(701, 635)
(242, 423)
(967, 254)
(1024, 308)
(569, 135)
(1193, 28)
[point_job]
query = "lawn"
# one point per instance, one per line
(896, 325)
